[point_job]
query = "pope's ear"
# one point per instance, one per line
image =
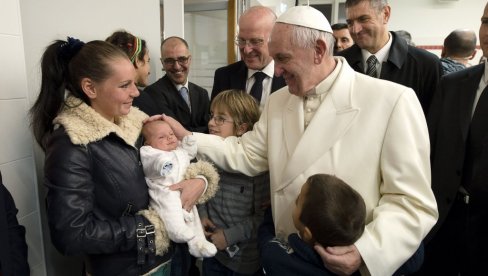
(88, 87)
(320, 50)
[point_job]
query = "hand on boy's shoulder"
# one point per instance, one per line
(341, 260)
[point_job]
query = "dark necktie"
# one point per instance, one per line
(257, 87)
(372, 66)
(476, 158)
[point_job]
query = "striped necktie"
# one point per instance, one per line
(371, 71)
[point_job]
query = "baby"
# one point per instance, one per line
(166, 161)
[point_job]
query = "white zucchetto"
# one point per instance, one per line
(305, 16)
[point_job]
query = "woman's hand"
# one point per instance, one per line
(191, 190)
(341, 260)
(178, 129)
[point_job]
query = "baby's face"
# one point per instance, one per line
(159, 135)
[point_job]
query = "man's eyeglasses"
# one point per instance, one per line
(253, 42)
(219, 120)
(171, 61)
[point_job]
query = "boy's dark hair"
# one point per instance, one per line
(333, 211)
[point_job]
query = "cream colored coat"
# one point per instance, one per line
(369, 132)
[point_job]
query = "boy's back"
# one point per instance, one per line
(292, 257)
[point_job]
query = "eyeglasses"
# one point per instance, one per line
(219, 120)
(171, 61)
(253, 42)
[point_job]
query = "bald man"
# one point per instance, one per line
(255, 26)
(173, 93)
(459, 48)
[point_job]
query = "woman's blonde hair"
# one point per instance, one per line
(241, 106)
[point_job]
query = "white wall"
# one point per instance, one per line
(28, 30)
(16, 153)
(430, 21)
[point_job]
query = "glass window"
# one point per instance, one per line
(342, 13)
(206, 34)
(326, 9)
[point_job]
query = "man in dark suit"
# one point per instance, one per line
(255, 26)
(458, 126)
(173, 94)
(13, 249)
(391, 58)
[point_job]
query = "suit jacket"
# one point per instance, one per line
(169, 101)
(234, 76)
(146, 103)
(407, 65)
(449, 121)
(393, 180)
(13, 249)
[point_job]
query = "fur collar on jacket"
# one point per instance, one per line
(84, 125)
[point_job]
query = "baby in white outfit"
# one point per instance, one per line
(165, 161)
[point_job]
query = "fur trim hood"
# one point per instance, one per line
(84, 125)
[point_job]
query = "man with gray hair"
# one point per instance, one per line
(385, 55)
(254, 73)
(330, 119)
(459, 48)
